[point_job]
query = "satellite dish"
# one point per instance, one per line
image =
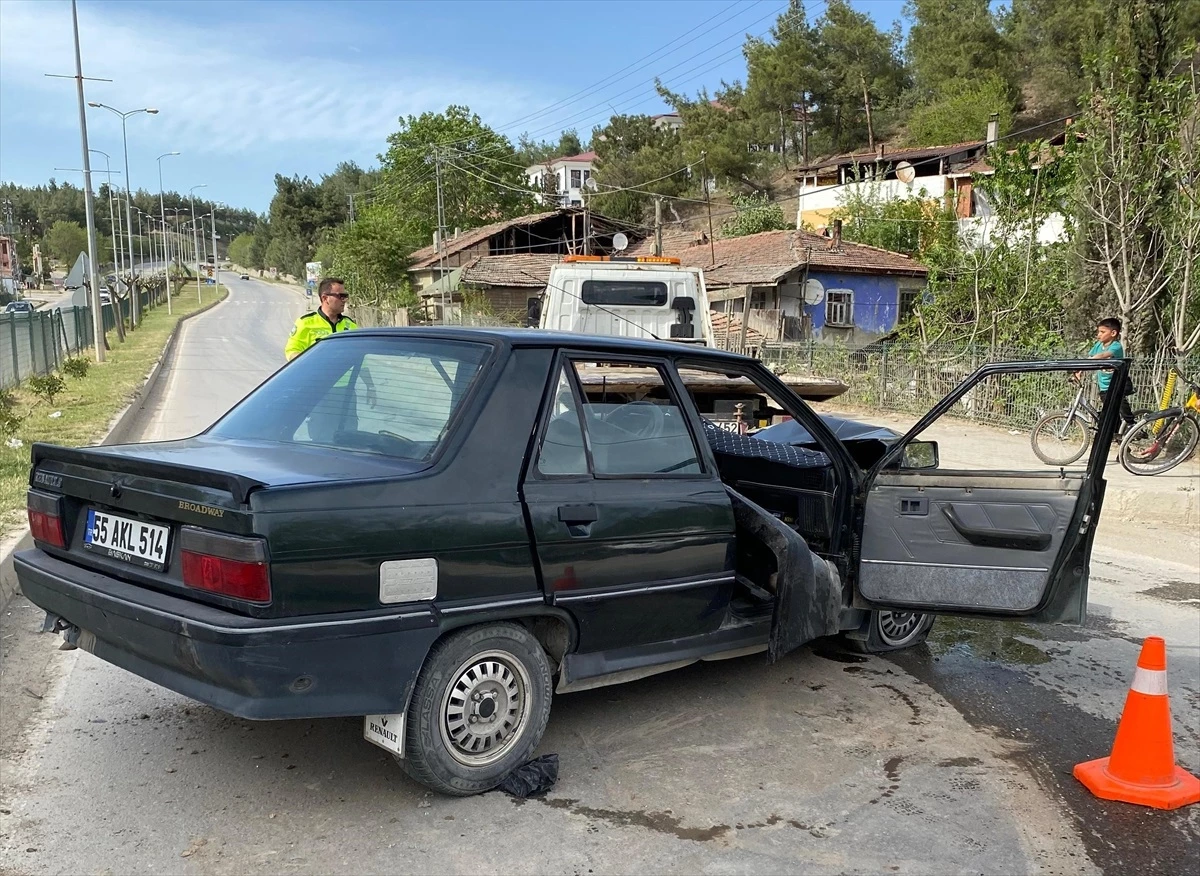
(814, 292)
(620, 242)
(590, 183)
(905, 172)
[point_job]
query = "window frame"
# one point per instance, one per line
(913, 294)
(847, 303)
(670, 381)
(583, 293)
(576, 179)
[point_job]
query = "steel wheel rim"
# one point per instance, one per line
(1063, 441)
(485, 708)
(899, 627)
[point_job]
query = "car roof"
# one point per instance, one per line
(523, 337)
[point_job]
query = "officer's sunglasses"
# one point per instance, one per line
(341, 295)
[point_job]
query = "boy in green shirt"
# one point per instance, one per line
(1108, 346)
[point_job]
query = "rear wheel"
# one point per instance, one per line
(478, 710)
(1158, 444)
(1059, 439)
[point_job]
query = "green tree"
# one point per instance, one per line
(755, 213)
(240, 249)
(1050, 40)
(961, 113)
(864, 70)
(954, 42)
(481, 179)
(258, 246)
(785, 78)
(719, 133)
(65, 241)
(632, 155)
(371, 255)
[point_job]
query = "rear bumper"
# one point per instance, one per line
(312, 667)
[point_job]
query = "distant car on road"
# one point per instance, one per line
(245, 276)
(21, 306)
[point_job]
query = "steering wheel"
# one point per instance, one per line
(406, 443)
(643, 419)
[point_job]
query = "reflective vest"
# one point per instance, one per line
(310, 328)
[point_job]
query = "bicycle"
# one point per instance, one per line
(1161, 440)
(1061, 437)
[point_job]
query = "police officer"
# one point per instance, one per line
(326, 319)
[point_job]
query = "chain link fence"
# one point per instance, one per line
(907, 378)
(39, 341)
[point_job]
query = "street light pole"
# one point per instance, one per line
(89, 206)
(216, 261)
(196, 233)
(112, 225)
(128, 196)
(163, 210)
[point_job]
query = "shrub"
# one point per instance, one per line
(77, 366)
(46, 386)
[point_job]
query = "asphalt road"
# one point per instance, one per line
(954, 757)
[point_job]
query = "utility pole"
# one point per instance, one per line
(658, 226)
(712, 250)
(89, 206)
(216, 261)
(352, 208)
(441, 232)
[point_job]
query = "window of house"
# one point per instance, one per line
(576, 179)
(909, 299)
(839, 307)
(587, 174)
(624, 421)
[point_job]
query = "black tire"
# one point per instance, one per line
(1055, 450)
(885, 631)
(1144, 451)
(502, 663)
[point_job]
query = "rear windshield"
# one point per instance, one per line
(624, 292)
(390, 396)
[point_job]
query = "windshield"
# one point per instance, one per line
(392, 396)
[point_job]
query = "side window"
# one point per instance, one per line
(562, 451)
(634, 425)
(629, 421)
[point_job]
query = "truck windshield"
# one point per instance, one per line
(632, 293)
(394, 396)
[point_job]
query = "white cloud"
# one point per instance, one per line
(220, 90)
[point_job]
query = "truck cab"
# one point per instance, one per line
(646, 297)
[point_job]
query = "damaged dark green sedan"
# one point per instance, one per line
(440, 529)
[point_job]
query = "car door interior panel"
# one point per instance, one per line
(988, 546)
(807, 592)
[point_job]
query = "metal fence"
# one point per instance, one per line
(38, 342)
(907, 378)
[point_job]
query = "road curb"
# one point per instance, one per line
(119, 430)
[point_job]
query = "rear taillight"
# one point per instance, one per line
(226, 564)
(45, 518)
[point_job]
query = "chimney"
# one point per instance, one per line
(836, 242)
(993, 129)
(879, 152)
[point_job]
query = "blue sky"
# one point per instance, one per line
(248, 89)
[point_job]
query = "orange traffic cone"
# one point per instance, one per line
(1141, 768)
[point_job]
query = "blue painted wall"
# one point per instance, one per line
(876, 300)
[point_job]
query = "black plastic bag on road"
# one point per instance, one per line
(531, 779)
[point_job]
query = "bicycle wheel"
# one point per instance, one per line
(1159, 443)
(1059, 439)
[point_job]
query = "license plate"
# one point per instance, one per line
(131, 541)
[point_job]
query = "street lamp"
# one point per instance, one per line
(112, 225)
(162, 210)
(128, 197)
(196, 233)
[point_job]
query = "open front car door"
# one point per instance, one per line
(975, 524)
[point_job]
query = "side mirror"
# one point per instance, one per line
(918, 455)
(533, 312)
